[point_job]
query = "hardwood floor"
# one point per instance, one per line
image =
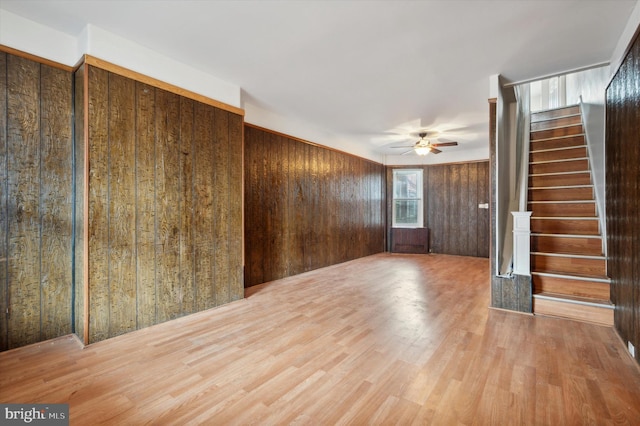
(387, 339)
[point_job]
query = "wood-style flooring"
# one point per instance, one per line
(387, 339)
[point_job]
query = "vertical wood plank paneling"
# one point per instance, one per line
(203, 197)
(4, 206)
(143, 186)
(99, 311)
(23, 130)
(299, 201)
(483, 225)
(187, 206)
(254, 220)
(145, 172)
(56, 209)
(167, 206)
(436, 208)
(307, 207)
(221, 204)
(453, 218)
(452, 194)
(287, 205)
(36, 206)
(472, 230)
(79, 153)
(236, 149)
(623, 195)
(465, 213)
(121, 213)
(272, 235)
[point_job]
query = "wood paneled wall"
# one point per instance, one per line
(452, 193)
(623, 195)
(164, 205)
(307, 207)
(36, 201)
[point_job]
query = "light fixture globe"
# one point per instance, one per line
(422, 150)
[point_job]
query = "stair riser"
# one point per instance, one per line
(590, 289)
(561, 194)
(554, 133)
(559, 180)
(556, 122)
(561, 166)
(546, 115)
(563, 210)
(576, 227)
(557, 143)
(568, 265)
(569, 245)
(562, 154)
(592, 314)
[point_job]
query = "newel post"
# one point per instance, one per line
(521, 243)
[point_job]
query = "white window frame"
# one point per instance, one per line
(419, 198)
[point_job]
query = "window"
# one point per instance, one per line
(407, 198)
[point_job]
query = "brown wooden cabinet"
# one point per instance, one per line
(410, 240)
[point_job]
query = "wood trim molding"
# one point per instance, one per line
(117, 69)
(35, 58)
(264, 129)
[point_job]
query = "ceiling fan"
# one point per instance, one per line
(424, 146)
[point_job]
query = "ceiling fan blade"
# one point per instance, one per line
(445, 144)
(410, 146)
(434, 150)
(407, 152)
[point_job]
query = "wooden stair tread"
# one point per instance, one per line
(563, 148)
(540, 234)
(573, 277)
(575, 299)
(578, 256)
(591, 288)
(572, 172)
(536, 119)
(551, 113)
(562, 202)
(561, 187)
(558, 137)
(562, 160)
(562, 218)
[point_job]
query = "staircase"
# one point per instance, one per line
(567, 263)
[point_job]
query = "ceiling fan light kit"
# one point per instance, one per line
(424, 146)
(422, 150)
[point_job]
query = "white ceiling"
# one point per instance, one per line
(365, 70)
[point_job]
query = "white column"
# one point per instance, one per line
(521, 243)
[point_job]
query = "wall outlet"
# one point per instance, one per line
(632, 349)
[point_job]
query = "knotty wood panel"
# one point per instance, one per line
(452, 193)
(79, 187)
(36, 210)
(186, 180)
(56, 213)
(98, 249)
(307, 207)
(623, 195)
(165, 205)
(121, 205)
(145, 205)
(235, 221)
